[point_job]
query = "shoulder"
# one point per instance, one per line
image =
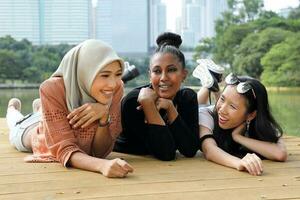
(53, 84)
(207, 109)
(53, 90)
(205, 117)
(187, 95)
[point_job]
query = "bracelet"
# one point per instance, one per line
(106, 123)
(204, 138)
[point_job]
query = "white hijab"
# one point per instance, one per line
(79, 68)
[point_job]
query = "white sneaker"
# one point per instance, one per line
(211, 65)
(201, 72)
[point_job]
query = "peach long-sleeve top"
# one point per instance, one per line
(55, 140)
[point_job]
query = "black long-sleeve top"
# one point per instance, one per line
(162, 141)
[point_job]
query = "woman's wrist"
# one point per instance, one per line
(104, 121)
(172, 113)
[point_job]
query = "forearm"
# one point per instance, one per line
(151, 113)
(102, 141)
(172, 113)
(272, 151)
(215, 154)
(160, 142)
(186, 136)
(83, 161)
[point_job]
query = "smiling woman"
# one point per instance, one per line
(161, 117)
(89, 74)
(240, 130)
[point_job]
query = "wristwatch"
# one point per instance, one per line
(106, 123)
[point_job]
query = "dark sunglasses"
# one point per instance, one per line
(242, 87)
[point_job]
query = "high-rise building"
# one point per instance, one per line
(158, 20)
(193, 19)
(211, 11)
(184, 4)
(64, 21)
(124, 24)
(45, 22)
(20, 19)
(130, 26)
(198, 19)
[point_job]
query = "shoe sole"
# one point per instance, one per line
(201, 72)
(211, 65)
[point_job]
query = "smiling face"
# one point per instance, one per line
(166, 75)
(231, 108)
(106, 82)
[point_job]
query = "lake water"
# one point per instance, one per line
(285, 105)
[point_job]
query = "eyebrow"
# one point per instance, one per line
(171, 65)
(110, 71)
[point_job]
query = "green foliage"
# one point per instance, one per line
(204, 49)
(253, 48)
(9, 65)
(282, 63)
(229, 42)
(21, 61)
(246, 34)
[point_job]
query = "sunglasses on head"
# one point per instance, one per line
(242, 87)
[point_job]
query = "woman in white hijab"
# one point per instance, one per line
(89, 73)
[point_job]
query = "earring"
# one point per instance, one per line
(247, 128)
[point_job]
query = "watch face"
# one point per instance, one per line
(106, 123)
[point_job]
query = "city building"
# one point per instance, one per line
(158, 20)
(124, 24)
(20, 19)
(64, 21)
(198, 19)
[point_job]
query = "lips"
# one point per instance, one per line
(164, 87)
(107, 94)
(222, 120)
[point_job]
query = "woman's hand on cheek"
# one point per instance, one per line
(251, 163)
(162, 103)
(238, 131)
(86, 114)
(147, 95)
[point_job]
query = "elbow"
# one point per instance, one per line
(206, 154)
(281, 156)
(166, 156)
(190, 153)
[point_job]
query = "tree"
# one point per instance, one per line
(227, 43)
(248, 56)
(233, 27)
(282, 63)
(204, 49)
(9, 65)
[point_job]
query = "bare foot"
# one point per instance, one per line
(15, 103)
(36, 105)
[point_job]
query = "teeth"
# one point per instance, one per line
(107, 93)
(164, 86)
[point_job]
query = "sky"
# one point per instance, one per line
(174, 8)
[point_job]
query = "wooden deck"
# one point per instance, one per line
(184, 178)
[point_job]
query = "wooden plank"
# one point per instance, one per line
(184, 178)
